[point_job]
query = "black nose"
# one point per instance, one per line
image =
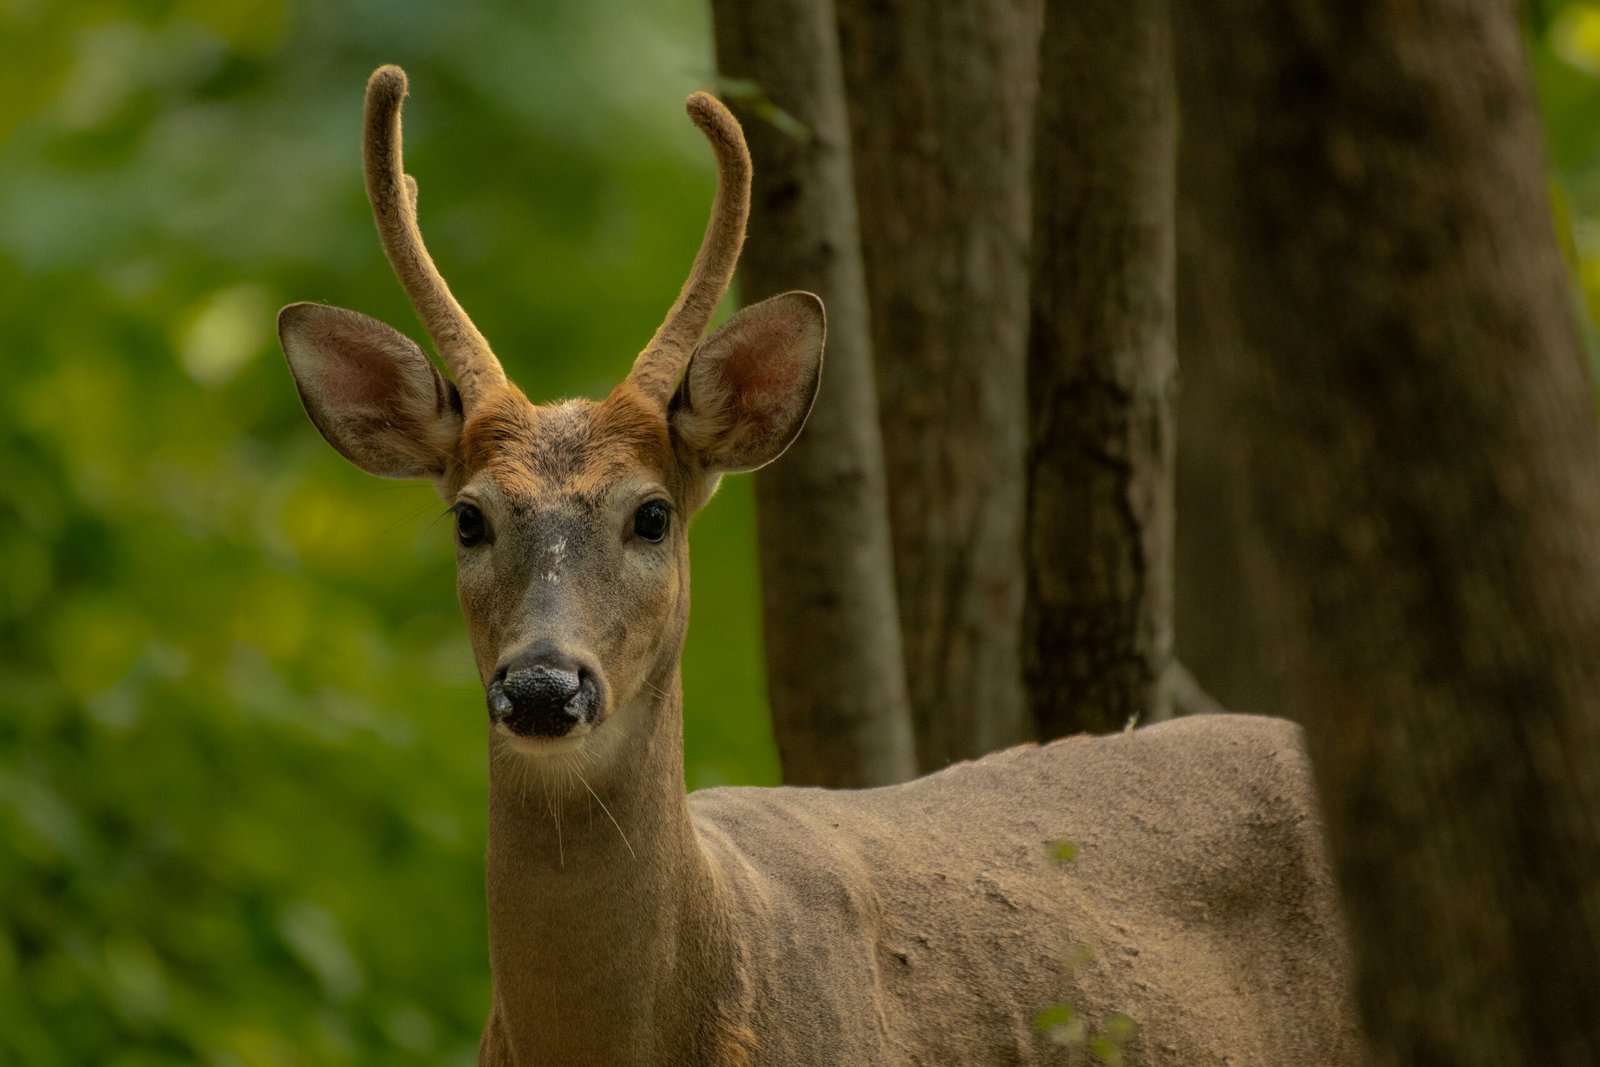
(543, 693)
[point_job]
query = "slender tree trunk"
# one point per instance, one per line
(941, 106)
(1218, 630)
(834, 663)
(1101, 371)
(1430, 490)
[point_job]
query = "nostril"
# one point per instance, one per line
(500, 706)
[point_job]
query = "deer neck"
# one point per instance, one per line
(607, 935)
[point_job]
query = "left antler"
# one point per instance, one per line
(393, 194)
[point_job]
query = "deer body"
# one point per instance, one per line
(917, 924)
(925, 923)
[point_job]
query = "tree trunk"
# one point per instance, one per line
(1101, 370)
(941, 108)
(1429, 487)
(834, 665)
(1218, 631)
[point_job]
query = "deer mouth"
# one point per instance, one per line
(541, 746)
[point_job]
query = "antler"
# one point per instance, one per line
(657, 369)
(393, 194)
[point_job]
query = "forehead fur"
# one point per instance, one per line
(575, 445)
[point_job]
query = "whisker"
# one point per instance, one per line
(610, 816)
(590, 758)
(555, 815)
(398, 487)
(405, 518)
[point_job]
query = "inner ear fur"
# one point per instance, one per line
(751, 384)
(371, 392)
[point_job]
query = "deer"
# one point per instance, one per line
(923, 923)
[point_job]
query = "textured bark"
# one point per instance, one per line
(1101, 371)
(835, 673)
(1218, 629)
(1431, 496)
(941, 107)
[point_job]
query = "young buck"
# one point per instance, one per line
(927, 923)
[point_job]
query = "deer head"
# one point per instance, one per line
(572, 560)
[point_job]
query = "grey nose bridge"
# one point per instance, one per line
(557, 549)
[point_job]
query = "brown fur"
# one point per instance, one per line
(918, 924)
(586, 449)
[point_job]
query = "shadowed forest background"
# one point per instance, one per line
(241, 744)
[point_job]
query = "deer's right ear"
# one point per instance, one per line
(371, 392)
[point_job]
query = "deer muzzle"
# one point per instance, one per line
(544, 693)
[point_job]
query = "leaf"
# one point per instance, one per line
(1064, 851)
(749, 94)
(1105, 1050)
(313, 935)
(1053, 1016)
(1061, 1024)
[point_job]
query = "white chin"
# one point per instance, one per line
(543, 746)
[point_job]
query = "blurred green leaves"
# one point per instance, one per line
(241, 741)
(1566, 58)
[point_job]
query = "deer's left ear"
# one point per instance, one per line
(750, 385)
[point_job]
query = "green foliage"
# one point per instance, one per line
(1566, 57)
(242, 752)
(1065, 1026)
(743, 91)
(1061, 1023)
(1064, 851)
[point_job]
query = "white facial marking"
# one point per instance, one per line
(555, 550)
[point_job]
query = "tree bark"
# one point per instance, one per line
(1101, 370)
(1218, 631)
(834, 664)
(941, 108)
(1429, 487)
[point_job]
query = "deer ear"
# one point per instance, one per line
(750, 385)
(371, 392)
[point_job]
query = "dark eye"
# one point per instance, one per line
(470, 527)
(650, 521)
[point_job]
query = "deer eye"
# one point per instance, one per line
(470, 527)
(650, 521)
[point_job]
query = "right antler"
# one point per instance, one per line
(460, 345)
(657, 369)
